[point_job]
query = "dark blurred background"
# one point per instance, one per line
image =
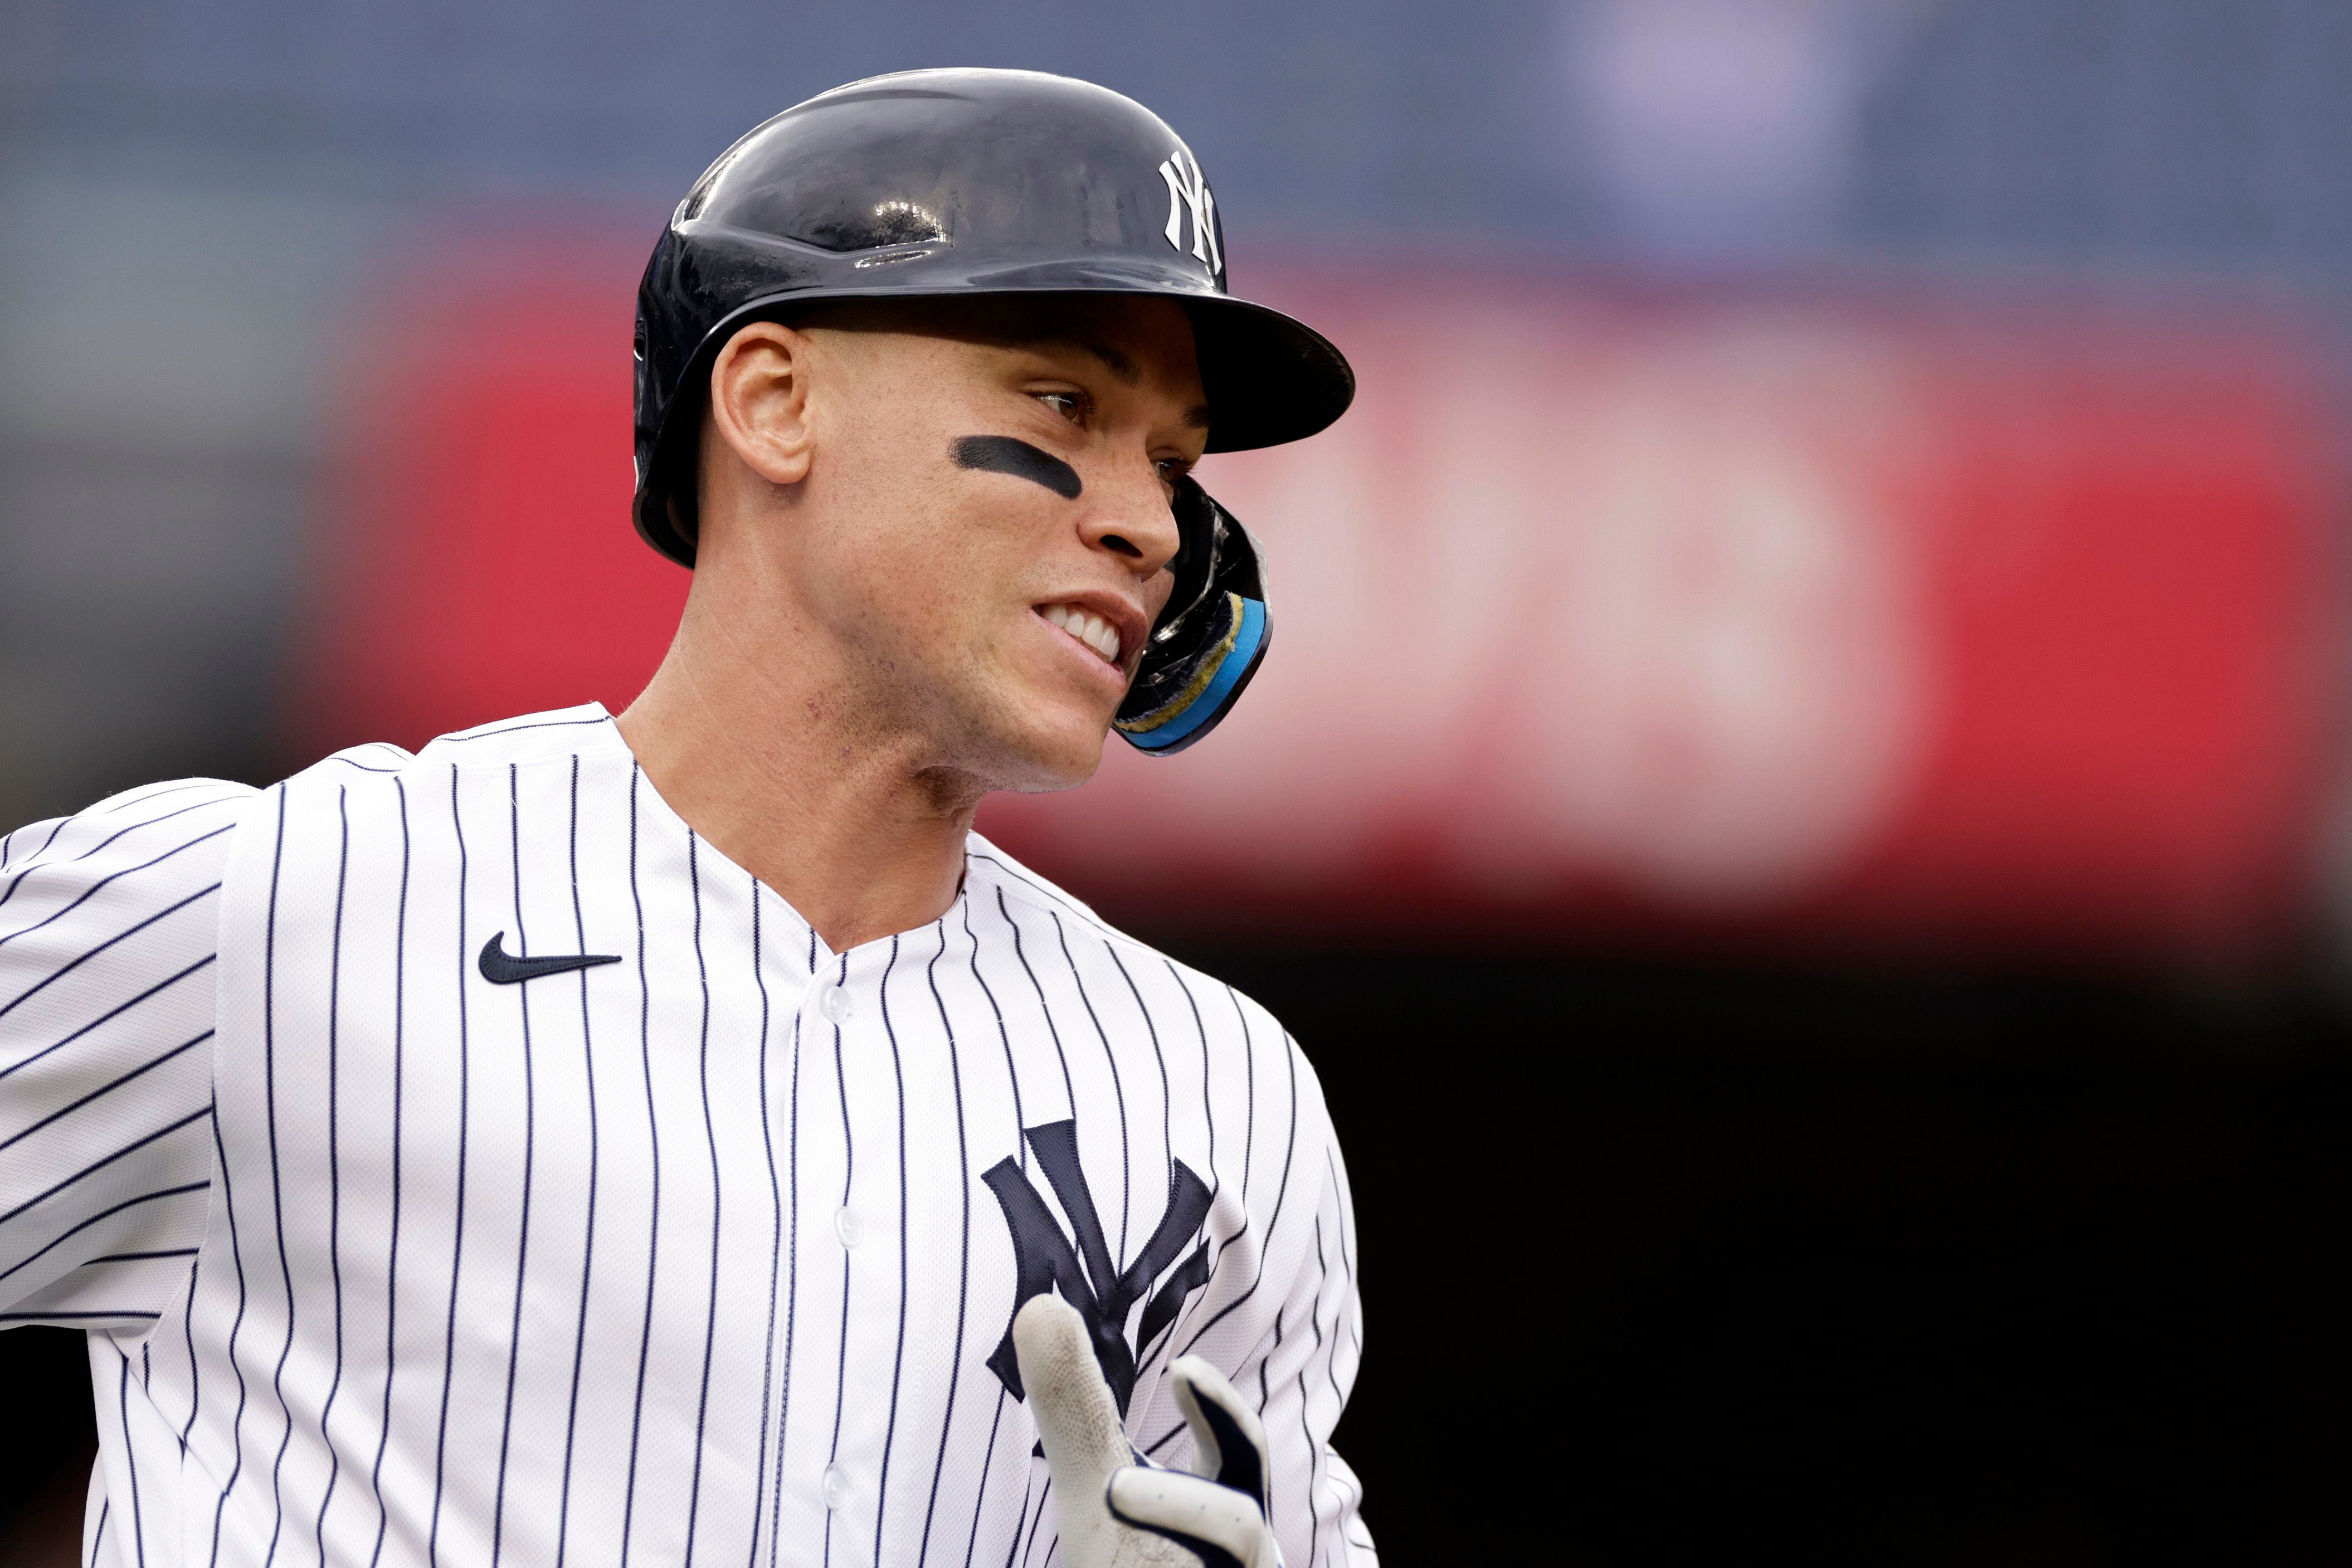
(1799, 805)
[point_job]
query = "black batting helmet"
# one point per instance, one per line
(943, 183)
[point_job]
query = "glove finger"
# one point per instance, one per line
(1228, 1440)
(1077, 1419)
(1223, 1528)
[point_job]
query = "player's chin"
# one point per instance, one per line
(1055, 703)
(1050, 732)
(1055, 745)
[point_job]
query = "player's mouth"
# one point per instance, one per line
(1094, 631)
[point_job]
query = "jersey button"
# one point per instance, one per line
(837, 1005)
(845, 1225)
(836, 1487)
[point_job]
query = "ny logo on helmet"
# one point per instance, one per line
(1188, 191)
(1087, 1278)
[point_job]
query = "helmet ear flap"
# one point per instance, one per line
(1210, 639)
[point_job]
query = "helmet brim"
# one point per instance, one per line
(1270, 377)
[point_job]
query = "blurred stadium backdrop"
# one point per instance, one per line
(1798, 800)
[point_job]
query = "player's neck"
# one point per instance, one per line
(763, 762)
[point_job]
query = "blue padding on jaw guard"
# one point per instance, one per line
(1206, 707)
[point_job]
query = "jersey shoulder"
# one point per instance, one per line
(586, 728)
(101, 910)
(183, 827)
(524, 738)
(372, 793)
(991, 869)
(988, 865)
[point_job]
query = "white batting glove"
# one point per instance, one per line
(1118, 1510)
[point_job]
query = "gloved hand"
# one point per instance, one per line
(1118, 1509)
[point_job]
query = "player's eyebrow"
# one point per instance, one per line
(1121, 363)
(1116, 361)
(1124, 367)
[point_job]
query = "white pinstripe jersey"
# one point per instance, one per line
(705, 1254)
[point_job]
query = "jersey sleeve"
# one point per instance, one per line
(1302, 1377)
(109, 933)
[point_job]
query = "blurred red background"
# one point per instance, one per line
(1717, 614)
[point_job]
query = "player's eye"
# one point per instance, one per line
(1173, 469)
(1070, 406)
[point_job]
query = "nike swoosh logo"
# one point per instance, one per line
(502, 968)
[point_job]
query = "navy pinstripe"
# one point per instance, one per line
(848, 1179)
(391, 1240)
(334, 1164)
(652, 1127)
(776, 1242)
(529, 1133)
(963, 1295)
(457, 1205)
(710, 1318)
(588, 1234)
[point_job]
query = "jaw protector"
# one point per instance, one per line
(1210, 639)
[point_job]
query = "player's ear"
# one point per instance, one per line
(759, 400)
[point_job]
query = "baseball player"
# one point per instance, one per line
(678, 1138)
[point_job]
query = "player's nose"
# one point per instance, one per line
(1127, 515)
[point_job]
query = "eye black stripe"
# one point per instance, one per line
(1007, 454)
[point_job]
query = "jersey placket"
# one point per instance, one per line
(840, 1326)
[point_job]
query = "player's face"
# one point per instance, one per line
(1010, 474)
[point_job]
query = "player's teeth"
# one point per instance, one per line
(1087, 627)
(1096, 635)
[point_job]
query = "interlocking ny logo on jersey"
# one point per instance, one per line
(1188, 192)
(1104, 1296)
